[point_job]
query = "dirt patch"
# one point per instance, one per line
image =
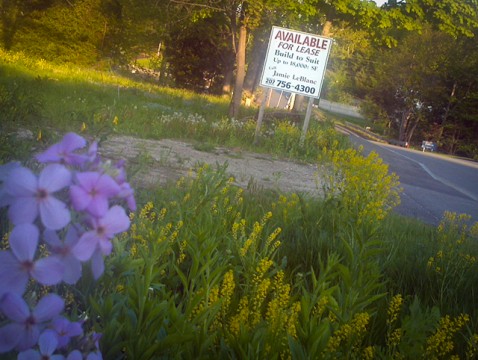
(161, 161)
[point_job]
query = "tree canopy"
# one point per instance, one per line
(411, 64)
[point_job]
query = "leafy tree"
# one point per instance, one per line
(14, 14)
(200, 54)
(427, 83)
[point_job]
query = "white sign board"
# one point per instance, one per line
(296, 62)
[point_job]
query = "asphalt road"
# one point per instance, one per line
(432, 183)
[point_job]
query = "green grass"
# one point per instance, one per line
(46, 97)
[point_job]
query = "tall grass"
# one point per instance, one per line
(211, 271)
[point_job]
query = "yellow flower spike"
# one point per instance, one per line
(227, 290)
(273, 236)
(368, 353)
(394, 308)
(134, 250)
(115, 120)
(441, 344)
(394, 338)
(83, 127)
(353, 331)
(472, 347)
(241, 318)
(321, 306)
(39, 136)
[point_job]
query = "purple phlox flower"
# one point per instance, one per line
(47, 344)
(31, 196)
(4, 172)
(92, 154)
(17, 265)
(97, 264)
(63, 152)
(127, 193)
(65, 330)
(104, 229)
(23, 332)
(75, 355)
(62, 250)
(95, 355)
(120, 176)
(92, 192)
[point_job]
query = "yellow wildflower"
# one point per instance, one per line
(441, 344)
(394, 308)
(241, 318)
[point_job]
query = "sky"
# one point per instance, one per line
(380, 2)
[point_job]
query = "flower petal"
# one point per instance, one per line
(65, 330)
(21, 182)
(52, 239)
(14, 307)
(48, 342)
(54, 177)
(95, 355)
(28, 338)
(72, 236)
(62, 151)
(85, 246)
(9, 336)
(97, 265)
(79, 197)
(52, 154)
(24, 241)
(105, 246)
(12, 278)
(29, 355)
(72, 270)
(48, 271)
(72, 141)
(22, 210)
(54, 213)
(48, 307)
(107, 186)
(74, 355)
(115, 221)
(98, 206)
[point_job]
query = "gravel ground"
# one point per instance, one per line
(161, 161)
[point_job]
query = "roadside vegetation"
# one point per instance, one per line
(209, 270)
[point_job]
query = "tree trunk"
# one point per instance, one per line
(240, 72)
(255, 63)
(402, 132)
(447, 111)
(227, 84)
(411, 131)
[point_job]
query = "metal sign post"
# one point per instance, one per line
(306, 122)
(261, 115)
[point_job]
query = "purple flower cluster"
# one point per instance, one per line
(74, 207)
